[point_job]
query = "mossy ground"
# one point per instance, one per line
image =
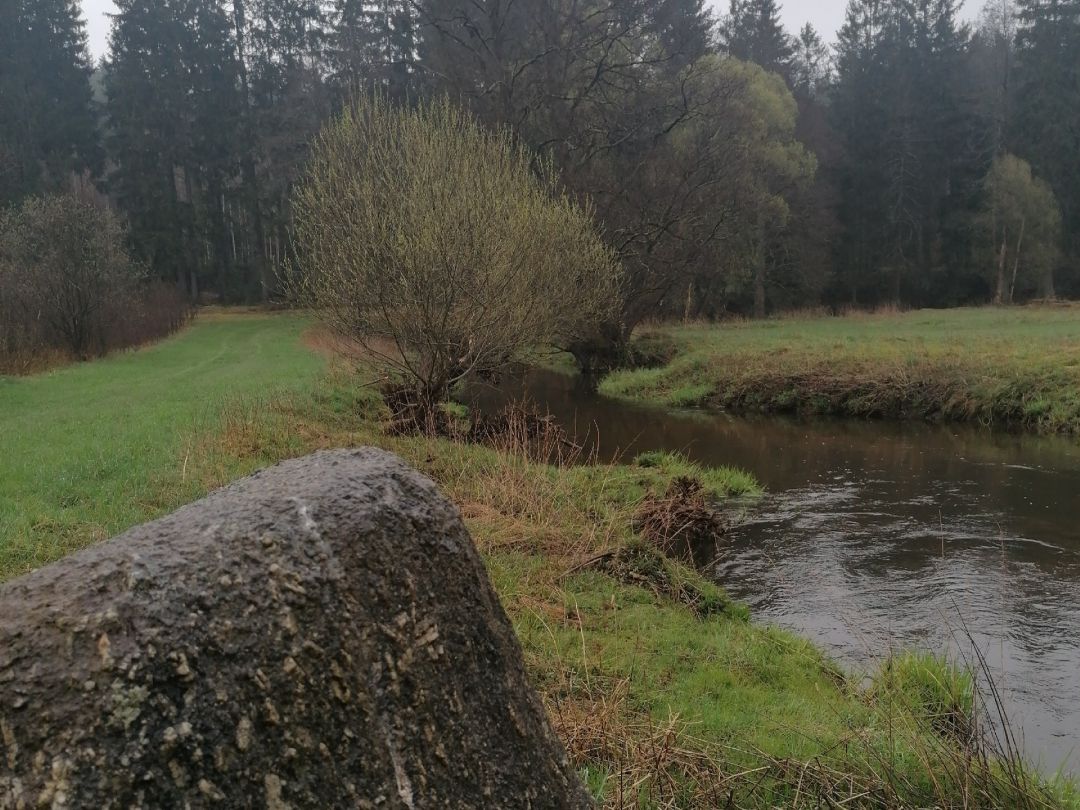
(1017, 367)
(664, 692)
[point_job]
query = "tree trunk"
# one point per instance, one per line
(1016, 259)
(759, 273)
(1046, 286)
(1000, 290)
(250, 176)
(759, 290)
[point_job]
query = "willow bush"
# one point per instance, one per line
(443, 248)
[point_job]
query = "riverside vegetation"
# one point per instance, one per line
(722, 168)
(665, 694)
(1016, 368)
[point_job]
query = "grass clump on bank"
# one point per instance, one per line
(1003, 367)
(663, 691)
(931, 688)
(716, 482)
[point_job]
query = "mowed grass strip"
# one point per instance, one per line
(91, 449)
(1016, 367)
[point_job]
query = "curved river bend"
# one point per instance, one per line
(878, 536)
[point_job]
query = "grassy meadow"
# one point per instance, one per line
(90, 449)
(1016, 367)
(664, 692)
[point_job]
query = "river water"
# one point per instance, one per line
(875, 536)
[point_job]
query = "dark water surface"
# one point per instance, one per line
(878, 536)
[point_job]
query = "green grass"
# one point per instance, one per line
(718, 482)
(933, 687)
(664, 692)
(88, 450)
(1016, 367)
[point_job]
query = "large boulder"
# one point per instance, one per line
(319, 635)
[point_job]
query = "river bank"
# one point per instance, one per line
(880, 535)
(1015, 368)
(663, 691)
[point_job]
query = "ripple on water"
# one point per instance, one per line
(862, 578)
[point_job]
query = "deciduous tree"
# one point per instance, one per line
(443, 247)
(1022, 223)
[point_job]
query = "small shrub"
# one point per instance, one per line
(69, 289)
(443, 248)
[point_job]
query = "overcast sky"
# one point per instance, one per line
(826, 15)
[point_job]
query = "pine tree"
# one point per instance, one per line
(48, 128)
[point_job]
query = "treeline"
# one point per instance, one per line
(731, 165)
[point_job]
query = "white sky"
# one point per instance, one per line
(826, 15)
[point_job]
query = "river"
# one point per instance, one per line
(875, 536)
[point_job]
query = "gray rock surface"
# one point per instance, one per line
(319, 635)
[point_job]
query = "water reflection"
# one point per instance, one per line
(875, 536)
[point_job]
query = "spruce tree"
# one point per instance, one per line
(752, 31)
(374, 43)
(912, 163)
(48, 127)
(285, 38)
(992, 64)
(173, 108)
(810, 66)
(282, 55)
(1046, 128)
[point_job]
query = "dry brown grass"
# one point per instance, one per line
(323, 340)
(24, 364)
(682, 522)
